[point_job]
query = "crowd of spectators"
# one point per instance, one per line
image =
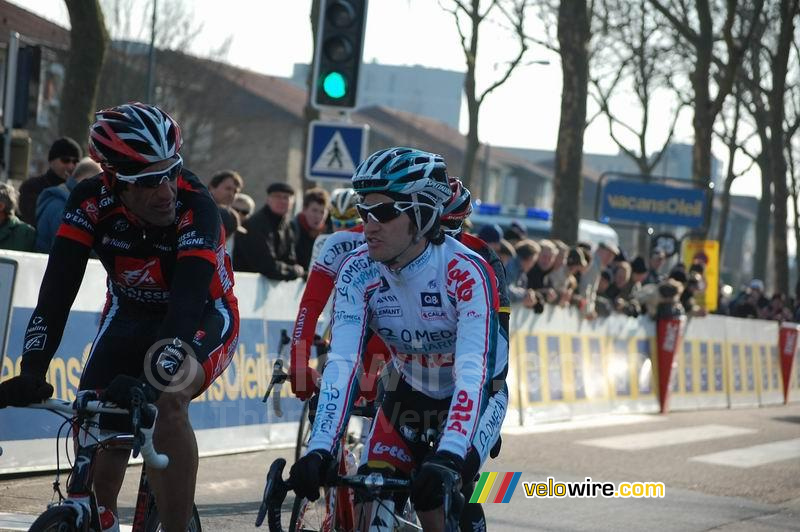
(597, 280)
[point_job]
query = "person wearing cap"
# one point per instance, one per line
(591, 279)
(268, 246)
(63, 156)
(491, 234)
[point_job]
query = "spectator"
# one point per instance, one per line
(244, 205)
(750, 302)
(561, 255)
(309, 224)
(515, 233)
(14, 233)
(491, 234)
(638, 271)
(589, 281)
(224, 186)
(777, 309)
(602, 305)
(233, 226)
(63, 156)
(50, 205)
(527, 253)
(657, 258)
(268, 246)
(543, 266)
(558, 279)
(506, 252)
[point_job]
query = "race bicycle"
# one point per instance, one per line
(371, 488)
(78, 511)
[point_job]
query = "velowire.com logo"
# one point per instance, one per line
(495, 487)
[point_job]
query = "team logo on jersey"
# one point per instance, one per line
(35, 342)
(92, 211)
(198, 337)
(121, 225)
(186, 220)
(432, 284)
(430, 299)
(390, 312)
(432, 315)
(460, 281)
(139, 273)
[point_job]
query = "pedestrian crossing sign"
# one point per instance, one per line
(335, 149)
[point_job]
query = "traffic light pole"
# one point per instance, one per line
(8, 107)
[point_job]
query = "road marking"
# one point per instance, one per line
(663, 438)
(587, 422)
(9, 521)
(756, 455)
(225, 486)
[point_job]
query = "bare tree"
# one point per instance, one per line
(88, 44)
(730, 122)
(766, 84)
(632, 64)
(468, 17)
(693, 24)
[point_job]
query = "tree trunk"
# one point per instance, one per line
(760, 255)
(777, 159)
(573, 37)
(725, 210)
(473, 109)
(88, 45)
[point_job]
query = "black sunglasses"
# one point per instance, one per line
(384, 212)
(68, 160)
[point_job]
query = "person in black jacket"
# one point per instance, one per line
(64, 155)
(268, 246)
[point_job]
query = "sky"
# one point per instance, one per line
(269, 36)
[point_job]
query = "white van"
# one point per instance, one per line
(588, 230)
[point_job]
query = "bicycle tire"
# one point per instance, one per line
(56, 519)
(153, 521)
(307, 516)
(303, 431)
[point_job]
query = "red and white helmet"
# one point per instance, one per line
(129, 137)
(458, 207)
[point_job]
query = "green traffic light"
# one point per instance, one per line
(334, 85)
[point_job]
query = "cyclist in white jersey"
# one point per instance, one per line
(434, 302)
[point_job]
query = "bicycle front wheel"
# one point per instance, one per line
(153, 522)
(309, 516)
(55, 519)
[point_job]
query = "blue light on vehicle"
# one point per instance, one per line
(489, 208)
(538, 214)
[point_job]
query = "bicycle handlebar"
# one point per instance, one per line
(143, 418)
(276, 489)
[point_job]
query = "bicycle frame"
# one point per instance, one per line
(85, 413)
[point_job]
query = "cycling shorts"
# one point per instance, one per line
(125, 337)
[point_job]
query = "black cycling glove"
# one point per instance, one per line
(24, 389)
(308, 472)
(427, 488)
(120, 388)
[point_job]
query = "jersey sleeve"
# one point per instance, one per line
(315, 296)
(471, 283)
(353, 287)
(80, 215)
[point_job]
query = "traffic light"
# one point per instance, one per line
(337, 60)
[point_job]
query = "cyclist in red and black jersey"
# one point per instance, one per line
(170, 324)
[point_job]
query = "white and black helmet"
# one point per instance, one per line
(408, 174)
(344, 214)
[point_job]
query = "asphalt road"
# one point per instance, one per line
(729, 470)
